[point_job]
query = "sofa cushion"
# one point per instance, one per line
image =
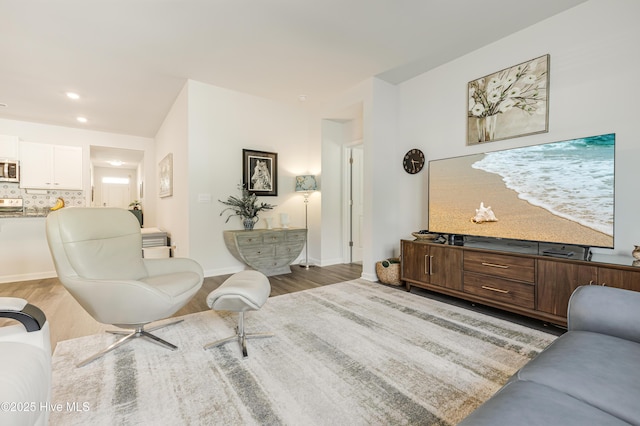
(595, 368)
(532, 404)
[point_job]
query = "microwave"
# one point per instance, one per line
(9, 171)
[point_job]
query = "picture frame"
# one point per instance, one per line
(165, 180)
(260, 172)
(509, 103)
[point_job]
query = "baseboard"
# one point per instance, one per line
(27, 277)
(369, 277)
(223, 271)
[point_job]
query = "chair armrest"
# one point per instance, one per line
(31, 317)
(172, 264)
(605, 310)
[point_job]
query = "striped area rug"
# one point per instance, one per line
(353, 353)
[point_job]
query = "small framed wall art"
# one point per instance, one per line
(509, 103)
(166, 176)
(260, 172)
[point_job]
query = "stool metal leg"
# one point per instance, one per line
(240, 335)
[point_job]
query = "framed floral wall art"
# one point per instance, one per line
(260, 172)
(509, 103)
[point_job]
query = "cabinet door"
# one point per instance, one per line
(8, 147)
(628, 280)
(36, 167)
(67, 167)
(556, 282)
(445, 267)
(415, 261)
(432, 264)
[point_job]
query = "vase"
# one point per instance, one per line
(248, 223)
(486, 128)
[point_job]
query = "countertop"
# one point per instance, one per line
(13, 215)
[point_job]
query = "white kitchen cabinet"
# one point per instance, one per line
(44, 166)
(8, 147)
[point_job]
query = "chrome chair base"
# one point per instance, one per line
(240, 335)
(130, 335)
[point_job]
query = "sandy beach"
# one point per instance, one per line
(452, 207)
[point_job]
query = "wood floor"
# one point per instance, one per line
(67, 319)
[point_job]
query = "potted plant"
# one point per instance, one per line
(247, 207)
(135, 205)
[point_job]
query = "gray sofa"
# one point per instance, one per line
(588, 376)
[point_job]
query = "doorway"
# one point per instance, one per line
(116, 176)
(115, 193)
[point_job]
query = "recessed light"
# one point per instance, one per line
(81, 119)
(72, 95)
(116, 163)
(302, 98)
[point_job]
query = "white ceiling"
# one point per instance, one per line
(128, 59)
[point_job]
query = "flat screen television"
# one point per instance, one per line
(559, 192)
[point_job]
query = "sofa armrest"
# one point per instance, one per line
(31, 317)
(605, 310)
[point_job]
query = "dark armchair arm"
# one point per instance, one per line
(31, 317)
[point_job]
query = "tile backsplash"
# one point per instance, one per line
(41, 199)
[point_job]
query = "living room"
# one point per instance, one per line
(206, 129)
(593, 63)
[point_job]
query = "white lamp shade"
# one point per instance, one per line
(306, 183)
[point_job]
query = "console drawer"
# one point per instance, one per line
(512, 292)
(500, 265)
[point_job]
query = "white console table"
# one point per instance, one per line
(269, 251)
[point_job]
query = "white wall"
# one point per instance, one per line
(24, 254)
(221, 123)
(593, 90)
(173, 211)
(377, 102)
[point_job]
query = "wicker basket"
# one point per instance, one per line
(390, 274)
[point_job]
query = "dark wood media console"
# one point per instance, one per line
(527, 284)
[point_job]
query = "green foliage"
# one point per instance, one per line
(246, 206)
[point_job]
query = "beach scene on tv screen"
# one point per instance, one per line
(559, 192)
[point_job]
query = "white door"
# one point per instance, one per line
(115, 195)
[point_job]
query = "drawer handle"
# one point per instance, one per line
(495, 265)
(497, 290)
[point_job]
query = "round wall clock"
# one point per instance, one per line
(413, 161)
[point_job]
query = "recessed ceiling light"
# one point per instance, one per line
(82, 119)
(302, 98)
(73, 96)
(116, 162)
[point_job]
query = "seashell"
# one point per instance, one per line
(484, 214)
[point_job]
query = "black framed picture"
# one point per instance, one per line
(260, 172)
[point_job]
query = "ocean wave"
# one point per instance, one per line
(572, 179)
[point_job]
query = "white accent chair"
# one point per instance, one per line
(25, 364)
(244, 291)
(97, 254)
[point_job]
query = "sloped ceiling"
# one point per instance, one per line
(128, 59)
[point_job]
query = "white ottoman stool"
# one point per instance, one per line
(244, 291)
